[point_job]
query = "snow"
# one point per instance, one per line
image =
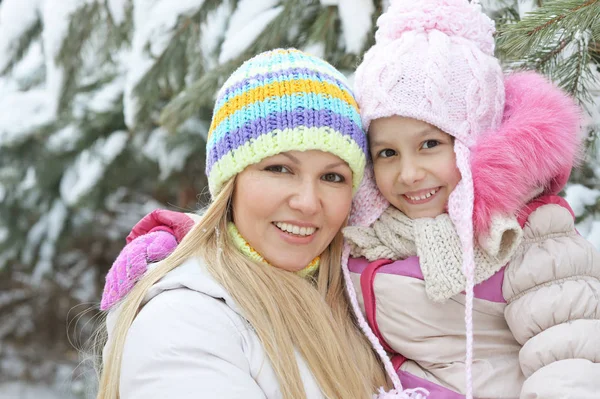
(89, 167)
(316, 49)
(20, 390)
(102, 100)
(55, 17)
(356, 22)
(171, 159)
(117, 10)
(526, 6)
(168, 159)
(154, 22)
(579, 196)
(213, 32)
(28, 111)
(22, 15)
(30, 180)
(64, 140)
(31, 65)
(54, 220)
(246, 24)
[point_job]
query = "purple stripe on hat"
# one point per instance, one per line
(285, 120)
(269, 77)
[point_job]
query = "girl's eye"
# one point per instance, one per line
(277, 169)
(386, 153)
(430, 144)
(333, 178)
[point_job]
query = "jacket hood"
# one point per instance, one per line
(192, 275)
(534, 149)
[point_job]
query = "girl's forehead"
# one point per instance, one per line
(398, 127)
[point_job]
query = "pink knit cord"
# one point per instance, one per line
(461, 211)
(398, 392)
(362, 322)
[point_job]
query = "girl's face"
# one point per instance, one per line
(415, 165)
(290, 206)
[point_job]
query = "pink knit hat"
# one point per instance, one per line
(433, 60)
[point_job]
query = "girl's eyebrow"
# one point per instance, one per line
(426, 130)
(377, 143)
(419, 133)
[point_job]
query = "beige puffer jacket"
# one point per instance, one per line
(536, 322)
(552, 290)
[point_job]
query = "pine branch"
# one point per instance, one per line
(118, 34)
(549, 23)
(167, 75)
(197, 96)
(71, 51)
(22, 45)
(574, 74)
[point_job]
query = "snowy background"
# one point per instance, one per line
(97, 129)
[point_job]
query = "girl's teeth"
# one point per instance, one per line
(297, 230)
(429, 194)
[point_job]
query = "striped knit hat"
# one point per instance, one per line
(278, 101)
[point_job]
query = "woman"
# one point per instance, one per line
(251, 303)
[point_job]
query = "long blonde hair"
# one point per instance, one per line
(286, 311)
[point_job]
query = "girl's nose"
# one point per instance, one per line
(410, 171)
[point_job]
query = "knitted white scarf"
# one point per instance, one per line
(435, 241)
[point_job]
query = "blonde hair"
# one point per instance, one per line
(287, 312)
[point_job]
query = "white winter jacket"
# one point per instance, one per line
(190, 340)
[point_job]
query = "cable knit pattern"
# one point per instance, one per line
(438, 15)
(435, 241)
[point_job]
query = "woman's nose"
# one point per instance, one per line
(306, 198)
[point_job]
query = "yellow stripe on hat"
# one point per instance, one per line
(278, 89)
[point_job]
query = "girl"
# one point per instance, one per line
(462, 158)
(251, 303)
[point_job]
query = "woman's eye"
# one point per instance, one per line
(334, 178)
(430, 144)
(386, 153)
(277, 169)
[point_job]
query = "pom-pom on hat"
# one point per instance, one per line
(278, 101)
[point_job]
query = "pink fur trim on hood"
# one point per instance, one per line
(535, 147)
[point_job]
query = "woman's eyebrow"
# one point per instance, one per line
(335, 164)
(291, 157)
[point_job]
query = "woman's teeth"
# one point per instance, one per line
(424, 196)
(300, 231)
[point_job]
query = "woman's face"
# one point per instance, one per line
(290, 206)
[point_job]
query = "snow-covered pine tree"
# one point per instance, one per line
(104, 108)
(83, 154)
